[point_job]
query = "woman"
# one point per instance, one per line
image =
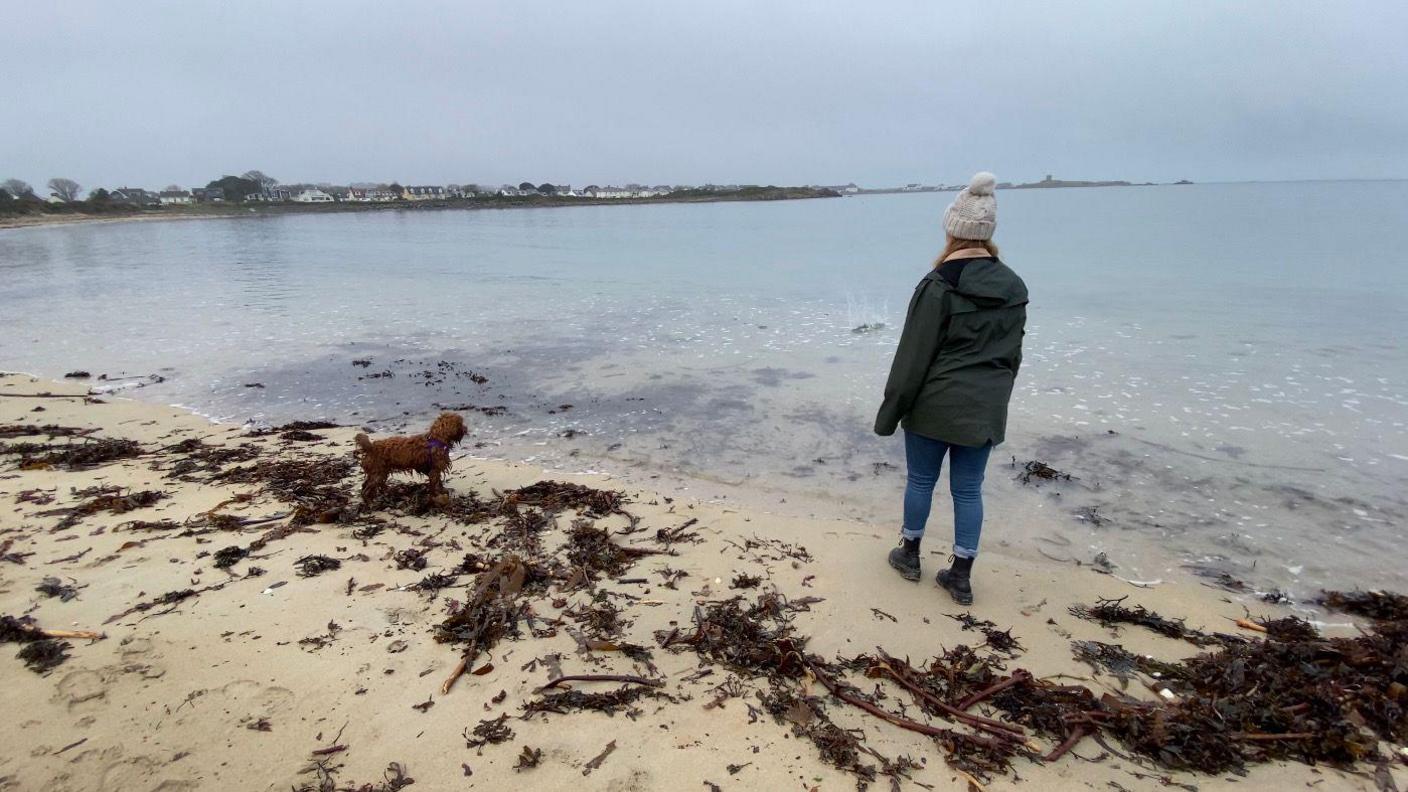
(952, 378)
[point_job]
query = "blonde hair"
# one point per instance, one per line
(955, 244)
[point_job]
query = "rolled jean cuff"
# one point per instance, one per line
(963, 552)
(911, 535)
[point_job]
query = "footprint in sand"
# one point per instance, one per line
(141, 773)
(81, 689)
(247, 697)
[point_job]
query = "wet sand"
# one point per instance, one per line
(242, 685)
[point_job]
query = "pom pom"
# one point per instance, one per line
(983, 183)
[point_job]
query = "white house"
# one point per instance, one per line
(312, 195)
(609, 192)
(169, 197)
(370, 195)
(425, 193)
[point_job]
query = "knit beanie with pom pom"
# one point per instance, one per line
(973, 214)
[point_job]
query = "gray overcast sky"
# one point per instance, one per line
(152, 93)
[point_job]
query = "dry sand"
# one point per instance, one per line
(226, 692)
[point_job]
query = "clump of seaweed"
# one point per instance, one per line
(756, 640)
(997, 640)
(591, 550)
(1036, 469)
(51, 431)
(89, 453)
(490, 731)
(313, 485)
(1378, 605)
(44, 655)
(556, 496)
(1111, 612)
(610, 702)
(197, 457)
(492, 612)
(53, 587)
(109, 500)
(312, 565)
(227, 557)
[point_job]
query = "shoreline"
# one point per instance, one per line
(267, 681)
(225, 211)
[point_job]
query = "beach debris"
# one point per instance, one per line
(1112, 612)
(1036, 469)
(590, 550)
(44, 655)
(305, 426)
(53, 587)
(108, 499)
(170, 598)
(744, 581)
(313, 565)
(1000, 641)
(556, 496)
(8, 431)
(868, 327)
(88, 452)
(410, 558)
(529, 758)
(490, 731)
(595, 762)
(1379, 605)
(227, 557)
(492, 611)
(80, 374)
(611, 702)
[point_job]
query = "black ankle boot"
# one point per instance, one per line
(956, 580)
(905, 558)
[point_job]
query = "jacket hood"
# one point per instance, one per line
(986, 282)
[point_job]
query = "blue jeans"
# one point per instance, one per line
(925, 458)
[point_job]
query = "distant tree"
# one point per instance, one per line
(17, 188)
(527, 186)
(395, 188)
(472, 189)
(99, 196)
(546, 188)
(235, 188)
(265, 182)
(7, 201)
(172, 188)
(590, 187)
(66, 189)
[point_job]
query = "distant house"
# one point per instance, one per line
(312, 195)
(271, 195)
(135, 196)
(339, 193)
(609, 192)
(55, 198)
(206, 194)
(424, 193)
(371, 195)
(177, 197)
(510, 191)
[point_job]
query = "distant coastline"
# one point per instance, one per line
(69, 214)
(1047, 183)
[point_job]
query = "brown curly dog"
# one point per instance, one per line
(427, 454)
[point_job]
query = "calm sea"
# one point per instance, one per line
(1221, 367)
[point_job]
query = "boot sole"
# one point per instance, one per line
(912, 575)
(964, 599)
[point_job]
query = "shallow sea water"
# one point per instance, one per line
(1225, 380)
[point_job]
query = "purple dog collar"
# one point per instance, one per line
(437, 445)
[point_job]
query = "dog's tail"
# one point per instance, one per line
(363, 442)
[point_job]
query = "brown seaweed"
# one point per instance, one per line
(313, 565)
(45, 655)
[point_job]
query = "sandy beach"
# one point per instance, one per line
(254, 670)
